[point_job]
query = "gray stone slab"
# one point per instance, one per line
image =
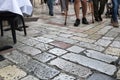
(57, 51)
(118, 74)
(30, 50)
(43, 39)
(103, 42)
(17, 57)
(94, 64)
(111, 34)
(71, 67)
(42, 71)
(43, 46)
(115, 44)
(5, 63)
(64, 76)
(44, 57)
(76, 49)
(67, 40)
(100, 56)
(29, 77)
(91, 46)
(98, 76)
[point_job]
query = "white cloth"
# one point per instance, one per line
(16, 6)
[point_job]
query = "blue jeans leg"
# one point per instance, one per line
(115, 10)
(50, 6)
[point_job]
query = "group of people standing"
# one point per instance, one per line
(98, 9)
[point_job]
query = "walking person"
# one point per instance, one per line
(77, 10)
(99, 6)
(114, 20)
(50, 6)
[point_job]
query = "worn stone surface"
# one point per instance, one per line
(94, 64)
(29, 77)
(115, 44)
(30, 50)
(91, 46)
(71, 67)
(5, 63)
(44, 57)
(44, 40)
(98, 76)
(118, 74)
(13, 56)
(42, 71)
(57, 51)
(101, 56)
(61, 44)
(12, 73)
(113, 51)
(76, 49)
(103, 42)
(64, 76)
(43, 46)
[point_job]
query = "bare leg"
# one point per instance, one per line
(84, 7)
(77, 8)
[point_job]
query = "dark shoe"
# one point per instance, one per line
(51, 14)
(84, 21)
(100, 18)
(77, 22)
(96, 19)
(1, 58)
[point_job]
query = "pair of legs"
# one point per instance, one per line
(115, 12)
(77, 11)
(99, 6)
(50, 6)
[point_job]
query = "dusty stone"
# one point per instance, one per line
(76, 49)
(30, 77)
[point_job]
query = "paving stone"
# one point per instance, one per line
(64, 76)
(30, 42)
(94, 64)
(76, 49)
(83, 39)
(65, 35)
(30, 50)
(44, 57)
(111, 34)
(99, 76)
(115, 44)
(61, 44)
(104, 30)
(42, 71)
(108, 38)
(29, 77)
(101, 56)
(118, 74)
(12, 73)
(66, 40)
(71, 67)
(80, 34)
(91, 46)
(113, 51)
(5, 63)
(44, 40)
(57, 51)
(94, 36)
(17, 57)
(103, 42)
(117, 38)
(43, 46)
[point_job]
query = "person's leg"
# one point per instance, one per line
(77, 9)
(101, 9)
(84, 11)
(50, 6)
(63, 5)
(95, 4)
(114, 19)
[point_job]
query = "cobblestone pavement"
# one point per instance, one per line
(52, 51)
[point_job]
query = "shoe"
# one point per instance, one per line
(51, 14)
(84, 21)
(115, 24)
(77, 22)
(100, 18)
(96, 19)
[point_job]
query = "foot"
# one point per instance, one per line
(84, 21)
(51, 14)
(100, 18)
(96, 19)
(115, 24)
(77, 22)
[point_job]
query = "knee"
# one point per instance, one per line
(84, 1)
(76, 1)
